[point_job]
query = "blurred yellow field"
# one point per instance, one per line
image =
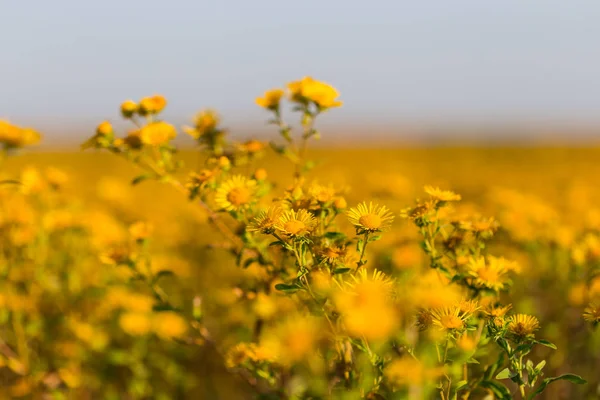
(243, 270)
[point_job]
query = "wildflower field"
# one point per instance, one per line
(269, 268)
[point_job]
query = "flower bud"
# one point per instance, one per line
(260, 174)
(104, 129)
(340, 203)
(128, 108)
(224, 163)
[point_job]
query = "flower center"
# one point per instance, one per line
(488, 275)
(451, 322)
(370, 221)
(294, 226)
(239, 196)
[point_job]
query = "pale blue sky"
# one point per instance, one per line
(74, 61)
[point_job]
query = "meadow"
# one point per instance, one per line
(243, 270)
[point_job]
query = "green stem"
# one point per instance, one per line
(360, 262)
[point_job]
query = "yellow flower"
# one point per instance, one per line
(260, 174)
(264, 306)
(133, 139)
(468, 307)
(197, 180)
(265, 221)
(333, 254)
(466, 343)
(169, 325)
(497, 313)
(236, 193)
(157, 133)
(135, 323)
(365, 302)
(294, 339)
(252, 146)
(128, 108)
(104, 129)
(206, 120)
(296, 223)
(308, 89)
(491, 275)
(152, 105)
(239, 354)
(370, 218)
(523, 325)
(340, 203)
(448, 318)
(117, 255)
(592, 313)
(56, 177)
(407, 256)
(13, 136)
(270, 99)
(441, 195)
(141, 230)
(322, 194)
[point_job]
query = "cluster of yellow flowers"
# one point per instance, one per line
(306, 291)
(304, 91)
(64, 322)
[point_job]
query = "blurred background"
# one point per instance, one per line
(411, 72)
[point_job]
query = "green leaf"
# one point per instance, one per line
(566, 377)
(504, 374)
(359, 245)
(491, 370)
(540, 366)
(163, 273)
(284, 287)
(340, 270)
(140, 178)
(374, 238)
(334, 235)
(524, 348)
(249, 261)
(461, 384)
(119, 357)
(504, 344)
(165, 307)
(546, 343)
(499, 390)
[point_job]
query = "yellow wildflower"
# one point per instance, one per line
(370, 218)
(169, 325)
(592, 313)
(236, 193)
(141, 230)
(491, 275)
(441, 195)
(448, 318)
(523, 325)
(135, 323)
(128, 108)
(296, 223)
(308, 89)
(13, 136)
(270, 99)
(157, 133)
(152, 105)
(265, 221)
